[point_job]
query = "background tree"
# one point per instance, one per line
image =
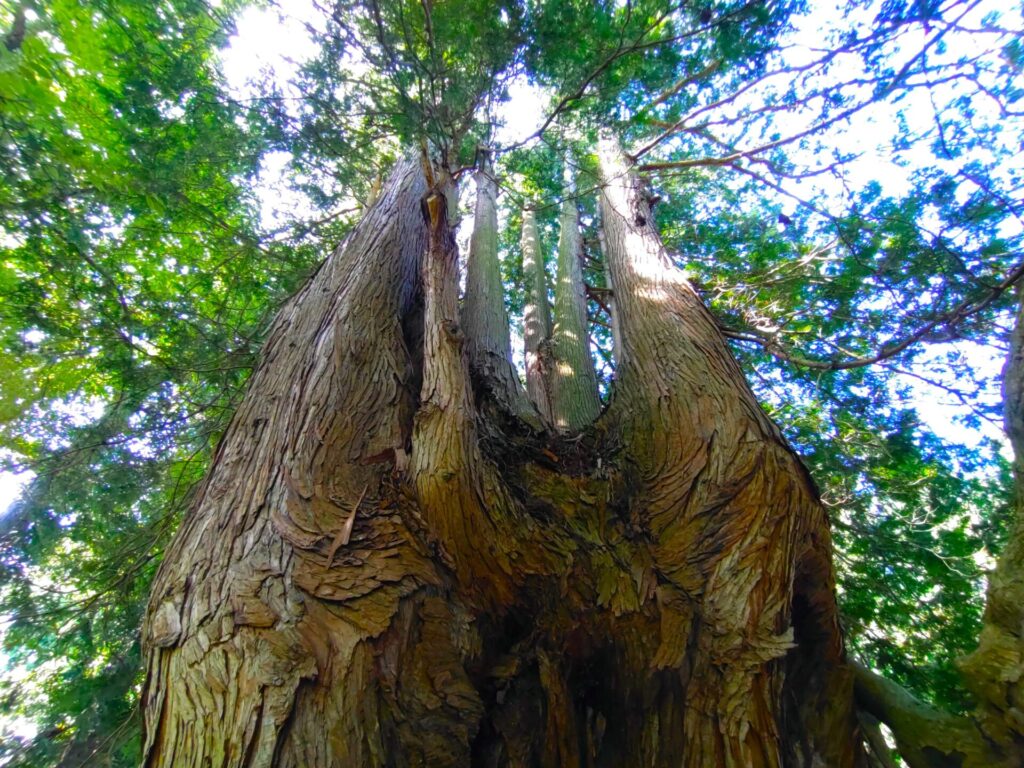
(833, 291)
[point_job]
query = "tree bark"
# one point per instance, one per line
(616, 331)
(270, 607)
(536, 318)
(738, 538)
(373, 574)
(574, 398)
(484, 319)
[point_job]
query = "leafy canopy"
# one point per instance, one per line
(846, 197)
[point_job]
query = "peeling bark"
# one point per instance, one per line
(261, 634)
(574, 397)
(373, 574)
(738, 536)
(536, 318)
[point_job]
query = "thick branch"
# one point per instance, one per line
(925, 737)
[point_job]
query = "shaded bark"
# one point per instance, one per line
(574, 397)
(536, 318)
(373, 574)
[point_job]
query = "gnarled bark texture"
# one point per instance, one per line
(738, 538)
(574, 398)
(375, 575)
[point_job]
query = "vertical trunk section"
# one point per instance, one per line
(446, 465)
(536, 318)
(574, 397)
(273, 625)
(616, 330)
(739, 540)
(484, 320)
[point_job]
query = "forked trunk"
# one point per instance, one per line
(373, 574)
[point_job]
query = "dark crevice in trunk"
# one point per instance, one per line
(412, 336)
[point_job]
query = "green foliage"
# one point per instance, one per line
(137, 278)
(136, 285)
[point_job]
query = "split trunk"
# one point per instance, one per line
(388, 566)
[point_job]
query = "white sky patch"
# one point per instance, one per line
(268, 40)
(11, 486)
(524, 112)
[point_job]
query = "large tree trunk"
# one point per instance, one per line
(374, 574)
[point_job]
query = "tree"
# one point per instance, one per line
(395, 559)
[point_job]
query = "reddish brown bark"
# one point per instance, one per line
(373, 574)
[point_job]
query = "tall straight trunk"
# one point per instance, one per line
(484, 319)
(376, 574)
(993, 734)
(536, 318)
(574, 397)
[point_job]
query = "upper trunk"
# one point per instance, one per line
(536, 318)
(484, 320)
(574, 397)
